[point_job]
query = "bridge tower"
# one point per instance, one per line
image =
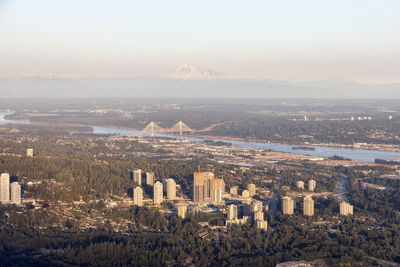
(180, 128)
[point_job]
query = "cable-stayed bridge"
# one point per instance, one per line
(180, 127)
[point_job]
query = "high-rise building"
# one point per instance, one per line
(150, 178)
(308, 206)
(311, 185)
(217, 190)
(252, 189)
(182, 211)
(15, 193)
(233, 190)
(171, 188)
(207, 189)
(346, 209)
(136, 176)
(5, 188)
(287, 206)
(208, 186)
(158, 192)
(232, 213)
(198, 187)
(256, 205)
(138, 196)
(258, 215)
(261, 224)
(300, 184)
(245, 194)
(29, 152)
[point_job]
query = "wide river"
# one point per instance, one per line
(354, 154)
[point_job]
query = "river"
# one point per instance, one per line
(320, 151)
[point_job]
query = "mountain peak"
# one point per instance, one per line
(188, 72)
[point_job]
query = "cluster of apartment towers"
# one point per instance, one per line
(289, 204)
(158, 188)
(209, 190)
(6, 188)
(11, 193)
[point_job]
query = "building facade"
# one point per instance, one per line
(158, 193)
(171, 189)
(256, 205)
(198, 187)
(300, 184)
(258, 215)
(136, 176)
(208, 186)
(252, 189)
(207, 189)
(150, 178)
(287, 206)
(29, 152)
(232, 212)
(308, 206)
(261, 224)
(16, 193)
(345, 209)
(138, 196)
(311, 185)
(217, 190)
(5, 188)
(233, 190)
(182, 211)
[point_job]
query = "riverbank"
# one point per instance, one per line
(363, 155)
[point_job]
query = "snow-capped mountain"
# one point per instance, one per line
(188, 72)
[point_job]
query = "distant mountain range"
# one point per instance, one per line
(188, 81)
(188, 72)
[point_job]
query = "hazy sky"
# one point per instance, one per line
(286, 40)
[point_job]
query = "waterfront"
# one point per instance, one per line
(320, 151)
(326, 152)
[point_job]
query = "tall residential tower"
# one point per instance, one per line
(158, 193)
(5, 188)
(15, 193)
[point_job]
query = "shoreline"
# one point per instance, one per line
(356, 146)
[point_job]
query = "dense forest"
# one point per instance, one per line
(180, 242)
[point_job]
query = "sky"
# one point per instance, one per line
(352, 40)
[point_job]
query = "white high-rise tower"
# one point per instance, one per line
(15, 193)
(158, 193)
(171, 188)
(138, 196)
(5, 188)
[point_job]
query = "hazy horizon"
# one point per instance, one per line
(286, 41)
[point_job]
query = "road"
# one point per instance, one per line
(342, 188)
(275, 196)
